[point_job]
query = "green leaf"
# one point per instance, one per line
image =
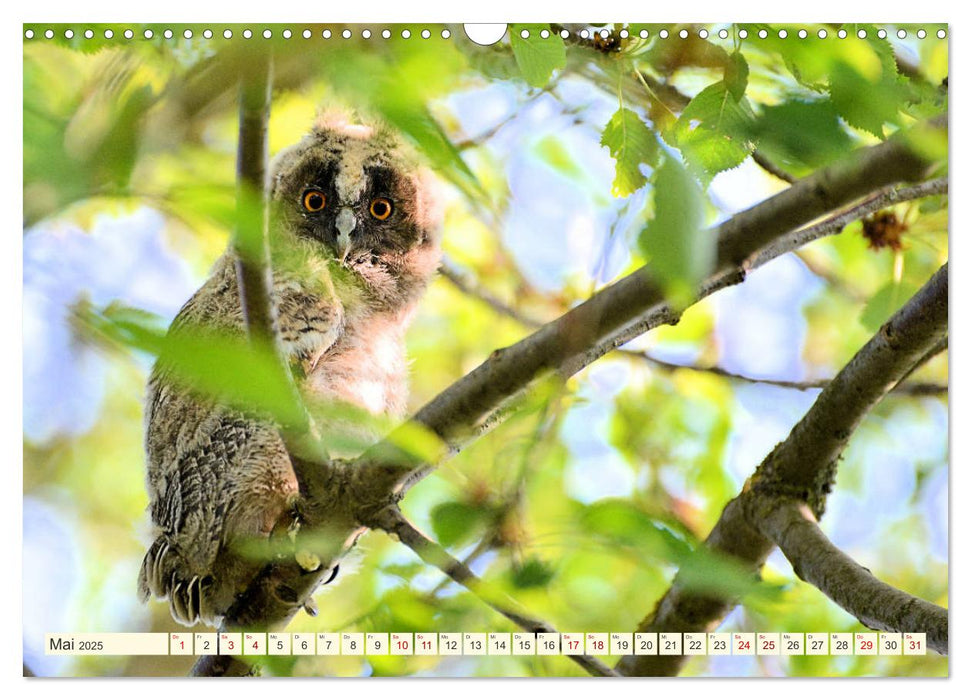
(206, 360)
(631, 143)
(865, 102)
(398, 88)
(801, 135)
(712, 573)
(627, 525)
(681, 253)
(418, 124)
(714, 132)
(736, 76)
(860, 75)
(532, 573)
(551, 150)
(455, 521)
(537, 57)
(885, 303)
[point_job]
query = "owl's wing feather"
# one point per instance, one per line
(215, 476)
(235, 482)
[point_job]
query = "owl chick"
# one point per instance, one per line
(354, 243)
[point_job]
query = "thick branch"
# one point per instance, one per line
(827, 189)
(634, 304)
(392, 521)
(831, 225)
(816, 560)
(905, 340)
(804, 466)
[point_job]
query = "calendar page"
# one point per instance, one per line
(485, 350)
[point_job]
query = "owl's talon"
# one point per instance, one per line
(307, 560)
(311, 607)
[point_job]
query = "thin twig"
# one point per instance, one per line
(908, 389)
(831, 278)
(764, 162)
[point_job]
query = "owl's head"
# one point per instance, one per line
(356, 194)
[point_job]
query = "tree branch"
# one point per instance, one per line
(816, 560)
(909, 389)
(804, 465)
(829, 226)
(594, 327)
(392, 521)
(764, 162)
(251, 244)
(251, 241)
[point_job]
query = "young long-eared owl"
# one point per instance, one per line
(354, 243)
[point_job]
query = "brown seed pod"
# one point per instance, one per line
(884, 230)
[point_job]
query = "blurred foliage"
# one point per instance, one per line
(566, 163)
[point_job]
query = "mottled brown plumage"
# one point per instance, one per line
(347, 277)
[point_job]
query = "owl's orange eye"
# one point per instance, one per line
(381, 208)
(314, 200)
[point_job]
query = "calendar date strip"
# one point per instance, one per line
(245, 646)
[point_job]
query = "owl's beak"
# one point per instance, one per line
(345, 224)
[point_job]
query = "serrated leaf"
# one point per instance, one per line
(537, 57)
(631, 143)
(863, 102)
(714, 132)
(681, 253)
(885, 303)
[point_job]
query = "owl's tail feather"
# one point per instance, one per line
(165, 574)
